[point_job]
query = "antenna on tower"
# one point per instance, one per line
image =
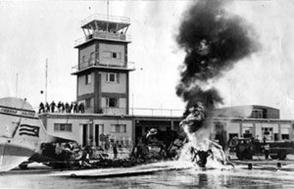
(46, 79)
(107, 9)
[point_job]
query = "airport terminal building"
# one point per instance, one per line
(103, 87)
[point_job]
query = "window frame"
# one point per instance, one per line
(108, 102)
(84, 59)
(118, 128)
(115, 77)
(88, 79)
(92, 58)
(112, 55)
(67, 127)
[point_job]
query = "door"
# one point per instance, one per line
(138, 132)
(96, 135)
(85, 134)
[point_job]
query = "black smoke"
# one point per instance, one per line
(214, 40)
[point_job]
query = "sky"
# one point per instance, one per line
(32, 31)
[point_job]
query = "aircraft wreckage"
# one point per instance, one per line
(24, 140)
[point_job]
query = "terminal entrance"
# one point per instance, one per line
(90, 134)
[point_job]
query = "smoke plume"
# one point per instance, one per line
(214, 40)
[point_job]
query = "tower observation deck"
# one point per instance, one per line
(100, 32)
(104, 27)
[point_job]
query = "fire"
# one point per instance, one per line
(214, 40)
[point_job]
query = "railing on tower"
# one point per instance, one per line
(94, 31)
(156, 112)
(101, 64)
(161, 112)
(103, 35)
(102, 17)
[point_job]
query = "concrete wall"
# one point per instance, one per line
(106, 60)
(86, 52)
(114, 87)
(82, 87)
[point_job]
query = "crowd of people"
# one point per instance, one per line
(62, 107)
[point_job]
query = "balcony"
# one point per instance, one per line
(130, 66)
(103, 35)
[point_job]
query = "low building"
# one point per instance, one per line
(93, 128)
(260, 122)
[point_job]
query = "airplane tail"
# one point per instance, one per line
(21, 133)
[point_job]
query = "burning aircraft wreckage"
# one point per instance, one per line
(213, 40)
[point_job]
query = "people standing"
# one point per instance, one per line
(81, 108)
(47, 107)
(59, 106)
(52, 105)
(75, 108)
(66, 107)
(41, 108)
(62, 107)
(266, 150)
(71, 107)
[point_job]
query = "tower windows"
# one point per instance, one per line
(92, 59)
(83, 59)
(88, 79)
(111, 54)
(112, 77)
(116, 55)
(112, 102)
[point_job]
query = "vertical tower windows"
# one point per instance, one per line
(83, 59)
(112, 77)
(92, 59)
(88, 79)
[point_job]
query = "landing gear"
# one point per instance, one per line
(24, 165)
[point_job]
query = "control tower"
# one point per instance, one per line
(103, 68)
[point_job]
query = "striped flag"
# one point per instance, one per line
(30, 130)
